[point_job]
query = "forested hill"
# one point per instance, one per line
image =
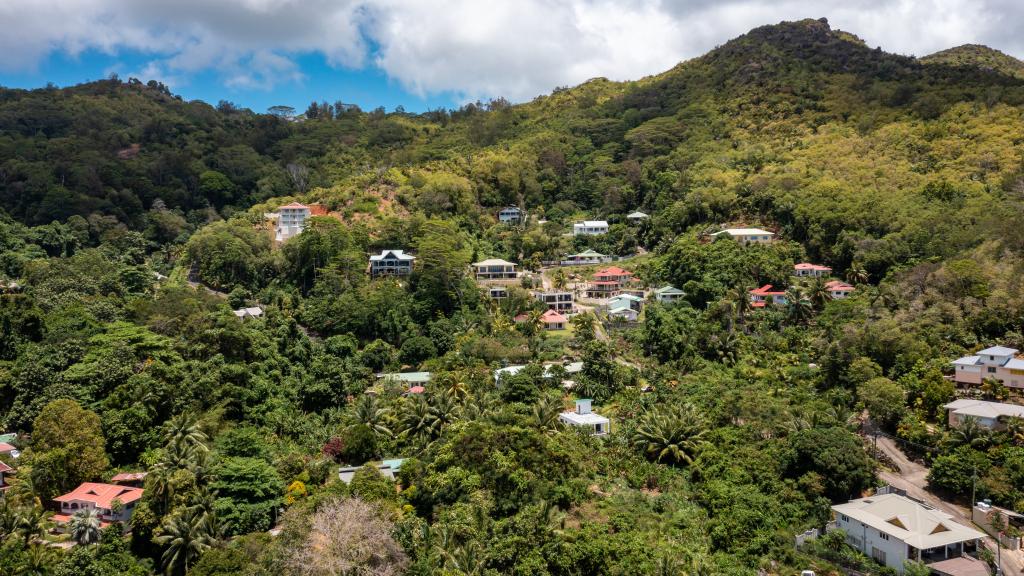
(150, 321)
(975, 55)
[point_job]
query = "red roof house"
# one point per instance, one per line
(612, 273)
(6, 448)
(760, 297)
(553, 320)
(808, 270)
(839, 290)
(4, 468)
(101, 497)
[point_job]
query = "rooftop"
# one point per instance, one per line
(494, 262)
(101, 495)
(809, 266)
(5, 468)
(408, 377)
(669, 289)
(588, 253)
(908, 520)
(983, 409)
(612, 271)
(766, 290)
(551, 317)
(998, 351)
(589, 418)
(129, 477)
(745, 232)
(837, 285)
(5, 447)
(592, 223)
(637, 214)
(294, 206)
(397, 254)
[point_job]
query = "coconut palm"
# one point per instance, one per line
(969, 433)
(558, 280)
(184, 429)
(38, 560)
(32, 523)
(1015, 430)
(799, 308)
(186, 536)
(546, 411)
(673, 435)
(419, 421)
(738, 300)
(369, 413)
(819, 293)
(85, 526)
(856, 274)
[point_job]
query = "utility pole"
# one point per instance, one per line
(974, 480)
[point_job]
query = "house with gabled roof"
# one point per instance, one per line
(553, 320)
(637, 216)
(608, 282)
(808, 270)
(997, 362)
(765, 295)
(991, 415)
(101, 497)
(839, 290)
(249, 312)
(495, 269)
(747, 235)
(892, 529)
(668, 294)
(584, 258)
(510, 215)
(391, 263)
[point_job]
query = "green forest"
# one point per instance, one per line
(133, 223)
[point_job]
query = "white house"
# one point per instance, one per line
(249, 312)
(102, 497)
(626, 301)
(891, 529)
(623, 311)
(411, 378)
(387, 469)
(590, 228)
(291, 220)
(747, 235)
(808, 270)
(391, 263)
(998, 362)
(991, 415)
(510, 215)
(635, 217)
(584, 258)
(584, 417)
(668, 294)
(558, 300)
(495, 269)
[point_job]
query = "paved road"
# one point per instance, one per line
(913, 478)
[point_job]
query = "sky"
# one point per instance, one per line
(424, 54)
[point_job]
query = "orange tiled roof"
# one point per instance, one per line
(101, 495)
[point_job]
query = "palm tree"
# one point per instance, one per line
(558, 280)
(32, 523)
(819, 293)
(38, 560)
(856, 274)
(445, 408)
(738, 299)
(418, 421)
(546, 411)
(372, 415)
(969, 433)
(1015, 430)
(186, 536)
(798, 306)
(184, 429)
(85, 526)
(673, 435)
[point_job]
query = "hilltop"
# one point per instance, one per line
(978, 56)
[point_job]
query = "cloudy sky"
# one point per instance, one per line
(429, 53)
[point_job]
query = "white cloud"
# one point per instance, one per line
(472, 48)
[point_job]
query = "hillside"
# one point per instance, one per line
(417, 419)
(977, 56)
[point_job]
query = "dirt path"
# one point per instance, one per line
(913, 478)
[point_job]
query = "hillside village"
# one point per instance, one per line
(710, 322)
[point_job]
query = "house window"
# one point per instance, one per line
(883, 535)
(845, 517)
(991, 370)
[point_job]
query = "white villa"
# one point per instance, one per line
(991, 415)
(559, 301)
(637, 216)
(584, 417)
(586, 257)
(590, 228)
(391, 263)
(495, 269)
(668, 294)
(291, 221)
(510, 214)
(997, 362)
(892, 528)
(747, 235)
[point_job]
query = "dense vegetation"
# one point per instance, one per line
(733, 428)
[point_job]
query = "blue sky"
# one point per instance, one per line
(430, 53)
(368, 87)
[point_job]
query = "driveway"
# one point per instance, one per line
(913, 478)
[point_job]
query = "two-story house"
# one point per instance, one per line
(291, 220)
(668, 294)
(391, 263)
(998, 362)
(590, 228)
(608, 282)
(557, 300)
(495, 269)
(808, 270)
(510, 215)
(102, 497)
(747, 235)
(892, 529)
